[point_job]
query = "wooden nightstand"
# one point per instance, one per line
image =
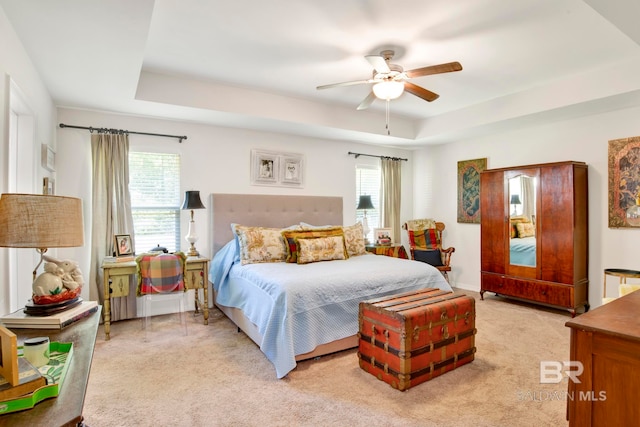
(396, 251)
(116, 284)
(196, 278)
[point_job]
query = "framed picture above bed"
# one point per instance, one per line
(277, 169)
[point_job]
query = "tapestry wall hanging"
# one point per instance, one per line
(624, 179)
(469, 189)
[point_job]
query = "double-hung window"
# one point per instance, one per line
(154, 184)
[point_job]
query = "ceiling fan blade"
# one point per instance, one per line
(434, 69)
(420, 92)
(378, 63)
(367, 101)
(355, 82)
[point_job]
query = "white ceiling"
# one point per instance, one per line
(256, 64)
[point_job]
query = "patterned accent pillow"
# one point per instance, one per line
(260, 244)
(428, 239)
(525, 229)
(160, 273)
(354, 239)
(290, 237)
(316, 249)
(515, 220)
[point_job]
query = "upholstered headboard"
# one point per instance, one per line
(268, 211)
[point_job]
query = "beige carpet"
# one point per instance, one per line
(215, 376)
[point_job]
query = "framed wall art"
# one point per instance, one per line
(264, 167)
(469, 190)
(48, 158)
(624, 179)
(291, 169)
(277, 169)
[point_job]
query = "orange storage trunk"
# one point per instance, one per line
(410, 338)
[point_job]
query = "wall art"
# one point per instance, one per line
(469, 190)
(277, 169)
(624, 179)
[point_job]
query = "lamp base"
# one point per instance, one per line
(193, 252)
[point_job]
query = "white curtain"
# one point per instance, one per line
(390, 192)
(528, 190)
(111, 213)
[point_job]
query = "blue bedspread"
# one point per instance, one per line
(297, 307)
(523, 251)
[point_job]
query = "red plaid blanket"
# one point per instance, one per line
(160, 273)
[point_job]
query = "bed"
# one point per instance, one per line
(298, 311)
(523, 251)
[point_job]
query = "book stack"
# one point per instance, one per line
(124, 258)
(59, 320)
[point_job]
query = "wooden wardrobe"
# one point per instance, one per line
(552, 204)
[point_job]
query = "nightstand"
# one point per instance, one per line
(195, 278)
(395, 251)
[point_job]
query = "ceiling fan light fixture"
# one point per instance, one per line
(388, 89)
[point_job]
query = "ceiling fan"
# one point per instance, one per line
(390, 80)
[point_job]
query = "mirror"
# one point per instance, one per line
(522, 220)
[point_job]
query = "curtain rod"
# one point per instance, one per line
(109, 130)
(381, 157)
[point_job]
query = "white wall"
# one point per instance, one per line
(217, 160)
(581, 139)
(16, 66)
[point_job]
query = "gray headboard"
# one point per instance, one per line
(268, 211)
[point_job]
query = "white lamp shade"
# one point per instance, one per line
(388, 89)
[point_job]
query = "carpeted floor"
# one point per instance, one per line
(216, 376)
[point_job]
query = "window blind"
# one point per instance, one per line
(154, 184)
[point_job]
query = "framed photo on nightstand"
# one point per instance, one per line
(123, 245)
(382, 236)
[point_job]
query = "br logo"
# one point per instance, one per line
(551, 371)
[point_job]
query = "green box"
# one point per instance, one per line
(54, 372)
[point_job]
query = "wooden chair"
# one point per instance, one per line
(425, 244)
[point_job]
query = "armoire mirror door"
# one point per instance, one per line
(522, 253)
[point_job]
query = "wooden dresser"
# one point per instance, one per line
(607, 343)
(556, 272)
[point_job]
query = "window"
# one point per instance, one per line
(368, 183)
(154, 184)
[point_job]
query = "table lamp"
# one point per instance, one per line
(363, 204)
(192, 201)
(515, 200)
(42, 222)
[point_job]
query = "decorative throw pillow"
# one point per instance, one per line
(433, 257)
(260, 244)
(160, 273)
(428, 239)
(525, 229)
(515, 220)
(316, 249)
(290, 237)
(354, 239)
